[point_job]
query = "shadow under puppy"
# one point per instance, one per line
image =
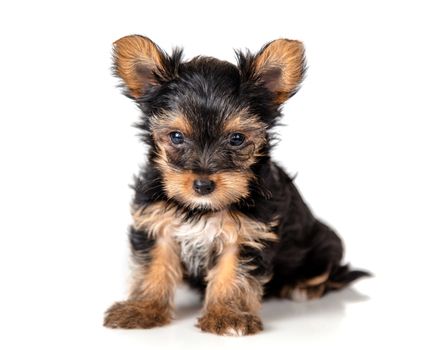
(211, 208)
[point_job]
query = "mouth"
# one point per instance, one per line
(203, 203)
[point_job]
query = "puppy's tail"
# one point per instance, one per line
(341, 276)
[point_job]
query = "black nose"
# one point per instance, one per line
(203, 186)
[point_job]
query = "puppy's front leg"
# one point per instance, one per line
(233, 297)
(158, 270)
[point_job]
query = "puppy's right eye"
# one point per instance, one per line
(176, 137)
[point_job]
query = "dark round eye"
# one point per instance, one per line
(176, 137)
(237, 139)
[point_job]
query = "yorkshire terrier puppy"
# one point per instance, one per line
(211, 208)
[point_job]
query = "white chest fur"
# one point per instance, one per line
(198, 240)
(209, 236)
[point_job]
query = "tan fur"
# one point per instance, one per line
(286, 55)
(315, 292)
(133, 52)
(315, 281)
(336, 285)
(233, 297)
(243, 120)
(233, 228)
(286, 291)
(137, 314)
(248, 124)
(229, 284)
(222, 277)
(164, 271)
(159, 279)
(151, 298)
(231, 186)
(156, 219)
(165, 123)
(179, 184)
(224, 321)
(253, 129)
(247, 231)
(312, 288)
(231, 290)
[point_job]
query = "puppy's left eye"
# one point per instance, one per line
(236, 139)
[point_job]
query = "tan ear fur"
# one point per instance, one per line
(137, 59)
(281, 65)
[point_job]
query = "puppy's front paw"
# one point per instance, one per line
(137, 314)
(229, 322)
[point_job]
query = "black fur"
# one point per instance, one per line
(141, 244)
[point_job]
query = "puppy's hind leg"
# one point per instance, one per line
(321, 270)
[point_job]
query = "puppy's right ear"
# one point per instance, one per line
(140, 63)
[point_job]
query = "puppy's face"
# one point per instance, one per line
(207, 120)
(205, 158)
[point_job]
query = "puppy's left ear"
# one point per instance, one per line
(279, 66)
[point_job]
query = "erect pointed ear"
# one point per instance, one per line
(280, 67)
(140, 63)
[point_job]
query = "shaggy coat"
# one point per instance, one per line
(211, 208)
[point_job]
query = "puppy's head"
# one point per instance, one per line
(206, 120)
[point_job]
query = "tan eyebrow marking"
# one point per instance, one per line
(244, 121)
(167, 122)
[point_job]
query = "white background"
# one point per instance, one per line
(365, 135)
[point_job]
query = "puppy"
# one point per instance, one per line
(211, 208)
